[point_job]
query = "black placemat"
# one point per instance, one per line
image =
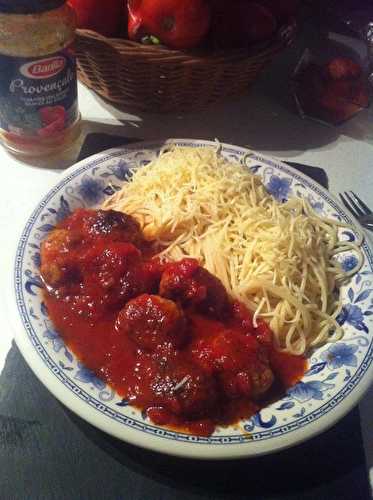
(95, 143)
(46, 452)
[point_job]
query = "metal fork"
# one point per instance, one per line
(358, 209)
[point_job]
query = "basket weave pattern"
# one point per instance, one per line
(151, 78)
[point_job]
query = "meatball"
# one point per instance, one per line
(185, 390)
(252, 382)
(58, 241)
(191, 284)
(113, 271)
(224, 350)
(116, 226)
(239, 361)
(150, 320)
(261, 378)
(56, 268)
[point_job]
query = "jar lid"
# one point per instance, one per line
(29, 6)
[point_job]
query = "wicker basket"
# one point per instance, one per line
(153, 78)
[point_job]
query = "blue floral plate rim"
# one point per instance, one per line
(261, 434)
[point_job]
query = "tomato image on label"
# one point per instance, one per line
(53, 120)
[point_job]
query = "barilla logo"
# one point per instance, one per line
(44, 68)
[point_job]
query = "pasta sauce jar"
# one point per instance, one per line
(39, 113)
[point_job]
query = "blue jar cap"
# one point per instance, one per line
(29, 6)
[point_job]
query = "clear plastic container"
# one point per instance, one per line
(330, 84)
(39, 113)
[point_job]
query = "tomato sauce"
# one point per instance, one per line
(38, 85)
(166, 337)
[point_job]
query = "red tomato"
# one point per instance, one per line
(241, 23)
(51, 114)
(53, 120)
(105, 17)
(180, 24)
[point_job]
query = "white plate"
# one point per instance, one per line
(339, 373)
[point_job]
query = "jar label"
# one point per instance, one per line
(38, 95)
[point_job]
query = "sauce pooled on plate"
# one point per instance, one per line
(165, 336)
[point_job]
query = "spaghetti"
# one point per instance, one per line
(280, 259)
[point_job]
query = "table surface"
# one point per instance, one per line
(264, 120)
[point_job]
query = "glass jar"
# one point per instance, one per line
(39, 114)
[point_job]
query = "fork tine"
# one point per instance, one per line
(356, 207)
(347, 205)
(367, 210)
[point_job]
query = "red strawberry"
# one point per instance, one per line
(343, 68)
